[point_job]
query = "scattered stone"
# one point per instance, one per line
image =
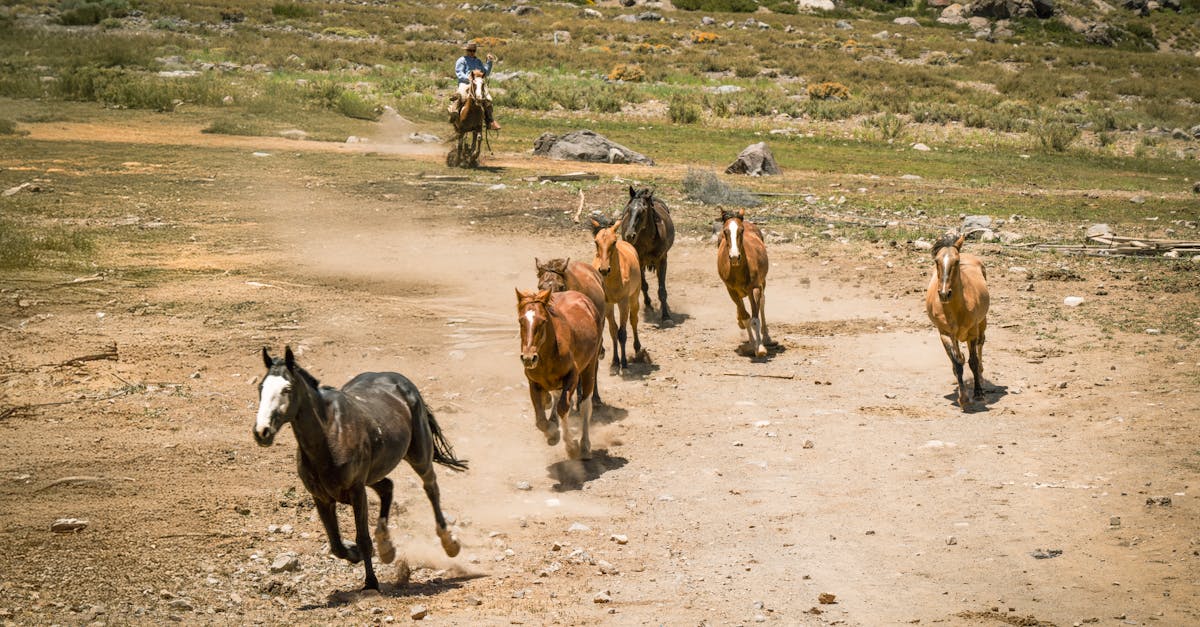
(473, 601)
(285, 563)
(619, 538)
(910, 177)
(524, 486)
(604, 596)
(181, 604)
(1114, 521)
(576, 526)
(843, 25)
(815, 5)
(1153, 331)
(922, 245)
(68, 525)
(418, 612)
(826, 598)
(606, 568)
(1164, 501)
(808, 444)
(23, 187)
(293, 133)
(1046, 554)
(920, 147)
(1073, 301)
(518, 594)
(906, 21)
(951, 540)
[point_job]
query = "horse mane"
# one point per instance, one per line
(308, 377)
(945, 240)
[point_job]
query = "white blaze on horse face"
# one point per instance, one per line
(272, 400)
(527, 321)
(478, 83)
(945, 282)
(732, 227)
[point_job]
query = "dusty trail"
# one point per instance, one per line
(903, 507)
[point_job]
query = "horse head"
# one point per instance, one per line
(478, 85)
(638, 212)
(732, 231)
(533, 315)
(945, 259)
(606, 238)
(278, 399)
(552, 275)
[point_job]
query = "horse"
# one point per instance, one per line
(560, 348)
(620, 287)
(648, 226)
(742, 264)
(468, 121)
(350, 439)
(957, 304)
(559, 275)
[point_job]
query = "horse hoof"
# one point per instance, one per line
(449, 543)
(552, 437)
(353, 555)
(387, 553)
(761, 352)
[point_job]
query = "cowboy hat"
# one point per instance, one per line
(471, 46)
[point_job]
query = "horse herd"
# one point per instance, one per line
(352, 438)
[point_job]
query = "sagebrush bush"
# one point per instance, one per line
(704, 186)
(353, 105)
(704, 37)
(627, 72)
(1056, 136)
(85, 13)
(727, 6)
(292, 10)
(8, 127)
(888, 126)
(681, 110)
(828, 91)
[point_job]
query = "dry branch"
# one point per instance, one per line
(571, 176)
(109, 353)
(580, 209)
(755, 375)
(81, 479)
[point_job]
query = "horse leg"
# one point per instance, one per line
(383, 539)
(756, 322)
(613, 333)
(975, 349)
(362, 534)
(634, 313)
(562, 409)
(645, 287)
(762, 317)
(585, 413)
(956, 359)
(661, 271)
(423, 466)
(623, 311)
(550, 429)
(340, 548)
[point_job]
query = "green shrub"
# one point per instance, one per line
(231, 126)
(828, 91)
(291, 10)
(8, 127)
(727, 6)
(1056, 136)
(84, 13)
(352, 105)
(23, 248)
(889, 126)
(683, 111)
(786, 7)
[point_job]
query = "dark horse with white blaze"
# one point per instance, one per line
(646, 223)
(350, 439)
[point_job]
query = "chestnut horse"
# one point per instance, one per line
(648, 226)
(560, 346)
(560, 275)
(742, 264)
(617, 261)
(352, 438)
(468, 121)
(957, 303)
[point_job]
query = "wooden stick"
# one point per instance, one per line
(580, 209)
(81, 479)
(759, 375)
(109, 354)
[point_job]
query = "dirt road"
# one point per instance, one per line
(741, 491)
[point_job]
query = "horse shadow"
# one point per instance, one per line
(398, 590)
(607, 414)
(652, 316)
(639, 367)
(746, 349)
(991, 394)
(571, 474)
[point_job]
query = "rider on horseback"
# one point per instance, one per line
(463, 68)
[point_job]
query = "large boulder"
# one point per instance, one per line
(815, 5)
(1009, 9)
(755, 160)
(586, 145)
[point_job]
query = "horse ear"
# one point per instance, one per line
(632, 192)
(267, 361)
(617, 225)
(288, 358)
(958, 243)
(543, 296)
(741, 213)
(537, 263)
(519, 294)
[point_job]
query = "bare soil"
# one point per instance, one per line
(746, 489)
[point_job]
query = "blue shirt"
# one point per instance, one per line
(465, 65)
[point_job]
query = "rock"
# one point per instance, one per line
(591, 14)
(1046, 554)
(293, 133)
(604, 596)
(23, 187)
(525, 9)
(68, 525)
(973, 223)
(181, 604)
(1114, 521)
(906, 21)
(285, 563)
(726, 89)
(951, 540)
(649, 16)
(585, 145)
(1018, 270)
(524, 486)
(1099, 230)
(922, 245)
(815, 5)
(843, 25)
(1164, 501)
(1008, 237)
(979, 23)
(418, 612)
(578, 527)
(1138, 200)
(920, 147)
(808, 444)
(606, 568)
(1196, 187)
(619, 538)
(755, 160)
(1073, 301)
(625, 17)
(910, 177)
(826, 598)
(473, 601)
(423, 138)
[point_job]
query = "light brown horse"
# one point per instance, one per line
(742, 264)
(957, 303)
(468, 121)
(560, 275)
(560, 345)
(617, 261)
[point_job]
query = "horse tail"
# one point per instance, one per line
(443, 453)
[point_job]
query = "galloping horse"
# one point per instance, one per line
(620, 287)
(742, 264)
(352, 438)
(560, 275)
(957, 303)
(469, 129)
(560, 345)
(648, 226)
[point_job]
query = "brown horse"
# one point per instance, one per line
(560, 275)
(560, 345)
(648, 226)
(468, 121)
(957, 303)
(352, 438)
(742, 264)
(617, 262)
